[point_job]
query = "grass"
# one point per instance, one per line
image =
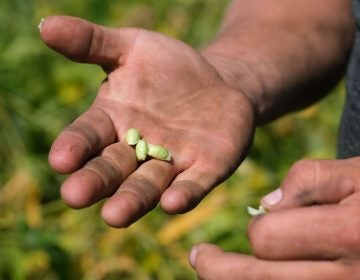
(40, 92)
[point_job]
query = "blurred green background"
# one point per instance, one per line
(41, 92)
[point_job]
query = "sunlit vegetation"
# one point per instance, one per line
(41, 92)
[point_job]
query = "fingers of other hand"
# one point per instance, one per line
(327, 230)
(211, 263)
(316, 182)
(80, 140)
(317, 232)
(83, 41)
(138, 194)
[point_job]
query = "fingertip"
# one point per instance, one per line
(59, 162)
(181, 197)
(47, 25)
(174, 202)
(120, 212)
(110, 216)
(80, 190)
(202, 254)
(72, 193)
(70, 36)
(66, 159)
(113, 219)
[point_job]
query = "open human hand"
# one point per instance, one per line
(312, 231)
(172, 95)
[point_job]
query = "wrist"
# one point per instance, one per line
(242, 77)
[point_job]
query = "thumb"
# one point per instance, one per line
(83, 41)
(312, 182)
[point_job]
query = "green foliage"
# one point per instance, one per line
(40, 92)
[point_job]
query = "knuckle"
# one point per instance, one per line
(302, 167)
(297, 173)
(301, 178)
(84, 132)
(105, 170)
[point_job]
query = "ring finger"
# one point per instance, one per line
(139, 193)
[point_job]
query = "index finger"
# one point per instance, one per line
(83, 138)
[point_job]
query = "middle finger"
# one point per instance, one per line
(139, 193)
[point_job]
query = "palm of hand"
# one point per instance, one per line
(175, 98)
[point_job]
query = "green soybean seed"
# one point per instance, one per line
(256, 212)
(141, 150)
(159, 152)
(132, 136)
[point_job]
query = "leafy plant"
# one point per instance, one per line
(40, 92)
